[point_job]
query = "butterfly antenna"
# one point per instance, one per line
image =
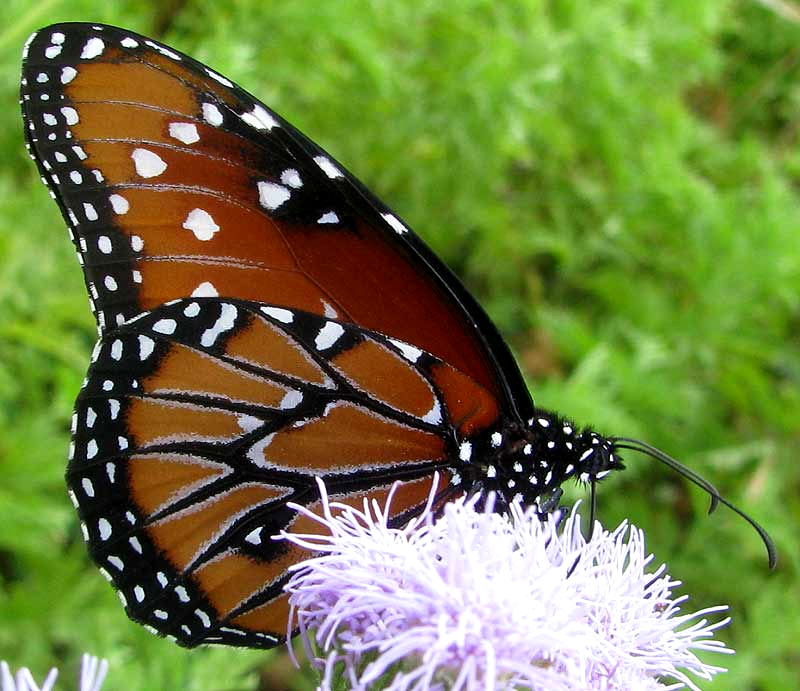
(678, 467)
(716, 497)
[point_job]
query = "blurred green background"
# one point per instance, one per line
(617, 182)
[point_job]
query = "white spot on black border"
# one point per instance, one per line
(327, 167)
(328, 335)
(271, 195)
(94, 47)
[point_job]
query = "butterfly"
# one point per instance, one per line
(264, 320)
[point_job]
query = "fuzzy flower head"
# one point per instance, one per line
(479, 600)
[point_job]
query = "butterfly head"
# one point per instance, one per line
(531, 461)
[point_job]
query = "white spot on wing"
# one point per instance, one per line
(222, 80)
(212, 114)
(129, 42)
(205, 289)
(328, 335)
(328, 310)
(279, 313)
(328, 217)
(395, 223)
(248, 423)
(434, 415)
(254, 536)
(94, 47)
(201, 224)
(104, 528)
(163, 50)
(292, 399)
(259, 118)
(327, 167)
(224, 322)
(68, 74)
(146, 346)
(70, 115)
(27, 46)
(147, 163)
(291, 178)
(272, 195)
(184, 132)
(165, 326)
(119, 204)
(256, 452)
(410, 353)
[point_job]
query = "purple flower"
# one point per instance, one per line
(93, 672)
(478, 600)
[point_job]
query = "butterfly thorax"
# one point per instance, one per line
(529, 461)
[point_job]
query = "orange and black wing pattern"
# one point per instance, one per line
(264, 321)
(200, 419)
(176, 183)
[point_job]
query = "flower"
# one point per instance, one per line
(480, 600)
(93, 672)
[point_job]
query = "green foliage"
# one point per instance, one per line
(616, 181)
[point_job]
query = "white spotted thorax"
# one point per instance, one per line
(530, 462)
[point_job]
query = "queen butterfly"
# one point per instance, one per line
(263, 320)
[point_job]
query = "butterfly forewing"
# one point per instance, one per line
(175, 182)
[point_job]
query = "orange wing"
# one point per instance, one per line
(177, 183)
(200, 419)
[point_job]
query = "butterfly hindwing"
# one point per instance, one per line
(200, 419)
(175, 182)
